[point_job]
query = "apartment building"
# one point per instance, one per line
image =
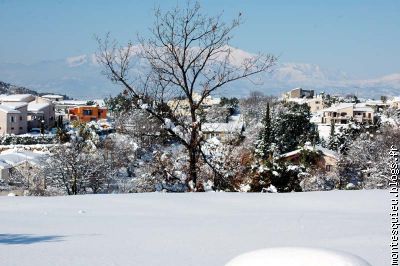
(299, 93)
(20, 113)
(53, 97)
(300, 96)
(345, 112)
(13, 119)
(87, 113)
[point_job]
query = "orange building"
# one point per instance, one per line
(87, 113)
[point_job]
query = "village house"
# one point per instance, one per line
(13, 119)
(299, 93)
(326, 162)
(316, 104)
(182, 105)
(300, 96)
(343, 113)
(53, 97)
(376, 105)
(225, 132)
(12, 161)
(20, 113)
(62, 107)
(394, 102)
(87, 113)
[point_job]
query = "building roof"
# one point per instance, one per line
(14, 158)
(8, 109)
(321, 149)
(72, 102)
(15, 105)
(17, 98)
(361, 107)
(337, 107)
(376, 102)
(52, 96)
(36, 107)
(222, 127)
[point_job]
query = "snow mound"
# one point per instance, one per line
(295, 256)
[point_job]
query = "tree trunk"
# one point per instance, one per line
(74, 186)
(192, 167)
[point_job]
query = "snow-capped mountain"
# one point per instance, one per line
(80, 76)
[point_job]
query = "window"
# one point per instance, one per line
(363, 114)
(20, 118)
(12, 119)
(369, 115)
(328, 167)
(20, 128)
(12, 128)
(87, 112)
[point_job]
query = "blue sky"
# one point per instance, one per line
(358, 37)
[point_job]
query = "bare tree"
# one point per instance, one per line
(187, 52)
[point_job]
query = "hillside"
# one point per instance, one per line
(7, 88)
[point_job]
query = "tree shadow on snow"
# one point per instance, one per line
(26, 239)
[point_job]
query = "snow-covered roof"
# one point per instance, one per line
(323, 150)
(72, 102)
(52, 96)
(337, 107)
(100, 102)
(36, 107)
(222, 127)
(4, 165)
(17, 98)
(395, 99)
(298, 100)
(375, 102)
(14, 158)
(8, 109)
(362, 108)
(15, 105)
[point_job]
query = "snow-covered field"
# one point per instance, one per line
(190, 228)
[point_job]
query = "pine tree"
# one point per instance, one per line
(292, 127)
(263, 148)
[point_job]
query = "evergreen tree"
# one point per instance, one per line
(292, 127)
(340, 141)
(263, 147)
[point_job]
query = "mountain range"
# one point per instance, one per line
(80, 77)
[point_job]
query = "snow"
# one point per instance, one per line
(36, 107)
(190, 228)
(324, 130)
(76, 60)
(15, 105)
(11, 158)
(271, 189)
(8, 109)
(17, 98)
(294, 256)
(52, 96)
